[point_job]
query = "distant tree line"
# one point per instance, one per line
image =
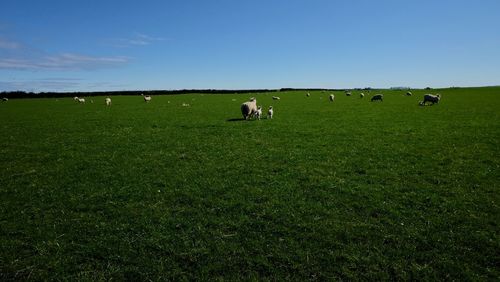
(23, 94)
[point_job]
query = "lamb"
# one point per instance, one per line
(258, 113)
(276, 98)
(408, 93)
(431, 98)
(249, 108)
(270, 112)
(361, 95)
(377, 97)
(332, 97)
(108, 101)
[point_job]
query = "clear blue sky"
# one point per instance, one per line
(91, 45)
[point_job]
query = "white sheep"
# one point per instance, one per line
(75, 99)
(147, 98)
(361, 95)
(332, 97)
(348, 93)
(276, 98)
(81, 100)
(408, 93)
(431, 98)
(270, 112)
(5, 99)
(249, 108)
(107, 101)
(377, 97)
(308, 94)
(258, 113)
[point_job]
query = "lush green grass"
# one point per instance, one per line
(344, 190)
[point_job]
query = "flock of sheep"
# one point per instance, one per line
(250, 109)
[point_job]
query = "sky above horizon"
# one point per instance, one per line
(96, 45)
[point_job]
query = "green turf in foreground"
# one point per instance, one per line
(343, 190)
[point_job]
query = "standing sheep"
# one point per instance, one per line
(81, 100)
(5, 99)
(308, 94)
(332, 97)
(107, 101)
(348, 93)
(408, 93)
(270, 112)
(249, 108)
(276, 98)
(377, 97)
(361, 95)
(258, 113)
(431, 98)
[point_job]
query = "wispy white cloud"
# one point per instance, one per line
(137, 39)
(67, 61)
(8, 44)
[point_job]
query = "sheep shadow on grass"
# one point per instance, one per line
(235, 119)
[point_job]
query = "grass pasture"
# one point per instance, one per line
(344, 190)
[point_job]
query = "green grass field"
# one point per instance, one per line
(345, 190)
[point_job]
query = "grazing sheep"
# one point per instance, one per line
(308, 94)
(361, 95)
(147, 98)
(107, 101)
(431, 98)
(81, 100)
(408, 93)
(332, 97)
(258, 113)
(5, 99)
(276, 98)
(270, 112)
(75, 99)
(249, 108)
(348, 93)
(377, 97)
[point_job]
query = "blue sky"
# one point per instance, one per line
(97, 45)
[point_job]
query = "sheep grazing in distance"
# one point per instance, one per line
(377, 97)
(276, 98)
(308, 94)
(332, 97)
(361, 95)
(75, 99)
(270, 112)
(5, 99)
(81, 100)
(147, 98)
(107, 101)
(258, 113)
(249, 108)
(348, 94)
(431, 98)
(408, 93)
